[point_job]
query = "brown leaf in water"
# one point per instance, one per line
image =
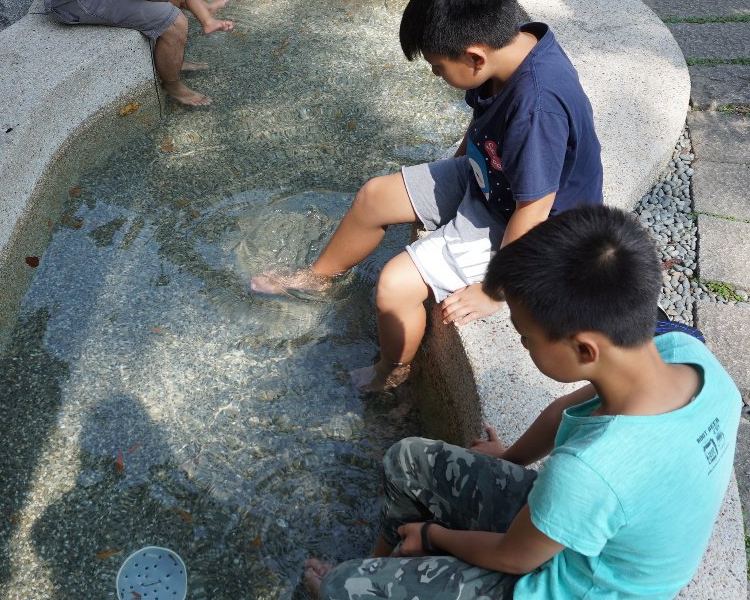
(72, 221)
(158, 330)
(387, 66)
(129, 108)
(120, 462)
(187, 517)
(15, 519)
(75, 191)
(257, 542)
(49, 223)
(194, 214)
(351, 125)
(182, 203)
(32, 261)
(105, 554)
(168, 145)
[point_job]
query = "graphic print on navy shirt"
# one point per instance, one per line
(536, 134)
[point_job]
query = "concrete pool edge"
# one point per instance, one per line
(54, 80)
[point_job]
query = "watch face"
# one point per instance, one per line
(152, 573)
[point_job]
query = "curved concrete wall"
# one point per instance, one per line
(53, 78)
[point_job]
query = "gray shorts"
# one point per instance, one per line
(465, 233)
(150, 18)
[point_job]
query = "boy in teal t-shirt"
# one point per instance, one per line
(638, 460)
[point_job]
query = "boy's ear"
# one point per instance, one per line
(586, 347)
(477, 56)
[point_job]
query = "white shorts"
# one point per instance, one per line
(465, 231)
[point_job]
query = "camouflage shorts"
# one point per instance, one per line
(460, 489)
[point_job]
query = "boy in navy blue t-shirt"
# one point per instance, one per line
(529, 152)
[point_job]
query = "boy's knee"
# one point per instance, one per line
(397, 457)
(397, 285)
(368, 195)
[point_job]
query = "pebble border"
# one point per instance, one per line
(668, 214)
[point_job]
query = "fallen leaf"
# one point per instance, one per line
(49, 223)
(184, 514)
(15, 519)
(182, 202)
(129, 108)
(72, 221)
(388, 66)
(158, 330)
(168, 145)
(257, 542)
(194, 214)
(32, 261)
(75, 191)
(120, 463)
(668, 264)
(105, 554)
(351, 125)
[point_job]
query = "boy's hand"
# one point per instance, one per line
(411, 540)
(491, 445)
(467, 304)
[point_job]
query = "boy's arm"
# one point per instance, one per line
(539, 439)
(528, 214)
(519, 551)
(470, 303)
(461, 151)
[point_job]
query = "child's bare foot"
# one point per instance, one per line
(276, 283)
(184, 95)
(214, 7)
(188, 65)
(314, 572)
(380, 377)
(216, 25)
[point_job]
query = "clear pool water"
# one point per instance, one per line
(147, 397)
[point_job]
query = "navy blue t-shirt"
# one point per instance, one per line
(536, 135)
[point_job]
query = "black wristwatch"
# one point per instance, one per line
(426, 545)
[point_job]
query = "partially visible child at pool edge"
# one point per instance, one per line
(638, 460)
(530, 151)
(205, 13)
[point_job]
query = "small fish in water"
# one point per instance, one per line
(104, 554)
(120, 463)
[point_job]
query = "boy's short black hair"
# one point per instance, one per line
(448, 27)
(593, 268)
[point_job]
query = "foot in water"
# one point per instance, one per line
(277, 283)
(217, 25)
(184, 95)
(315, 570)
(188, 65)
(214, 7)
(380, 377)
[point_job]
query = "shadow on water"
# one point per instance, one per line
(244, 445)
(28, 405)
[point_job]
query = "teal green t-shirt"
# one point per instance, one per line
(633, 498)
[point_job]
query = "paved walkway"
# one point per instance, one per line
(714, 36)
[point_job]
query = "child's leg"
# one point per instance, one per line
(401, 317)
(382, 201)
(428, 479)
(205, 16)
(428, 577)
